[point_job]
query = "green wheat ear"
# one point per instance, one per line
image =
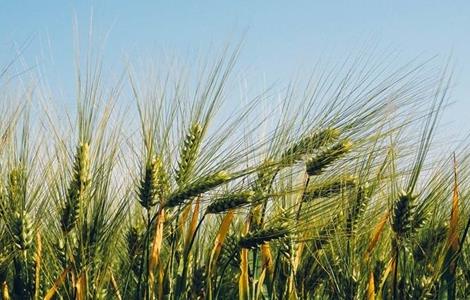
(308, 144)
(22, 231)
(230, 252)
(14, 188)
(256, 238)
(154, 184)
(402, 214)
(188, 154)
(357, 208)
(429, 241)
(200, 186)
(231, 201)
(326, 156)
(330, 189)
(135, 247)
(77, 189)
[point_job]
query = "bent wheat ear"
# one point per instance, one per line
(231, 201)
(188, 153)
(330, 189)
(326, 156)
(254, 239)
(309, 143)
(77, 188)
(200, 186)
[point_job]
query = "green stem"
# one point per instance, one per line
(395, 270)
(261, 222)
(143, 263)
(297, 216)
(174, 243)
(181, 281)
(217, 288)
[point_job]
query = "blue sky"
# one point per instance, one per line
(280, 37)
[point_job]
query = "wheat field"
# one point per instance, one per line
(339, 188)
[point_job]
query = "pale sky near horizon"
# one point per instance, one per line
(280, 37)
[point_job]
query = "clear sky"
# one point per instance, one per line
(280, 37)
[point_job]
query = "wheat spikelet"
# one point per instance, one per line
(428, 242)
(188, 153)
(133, 238)
(419, 220)
(327, 155)
(14, 179)
(230, 251)
(77, 189)
(200, 186)
(330, 189)
(309, 143)
(147, 189)
(15, 190)
(59, 249)
(154, 184)
(10, 198)
(256, 238)
(402, 214)
(357, 209)
(134, 243)
(22, 231)
(23, 285)
(231, 201)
